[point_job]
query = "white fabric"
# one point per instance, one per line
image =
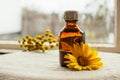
(45, 66)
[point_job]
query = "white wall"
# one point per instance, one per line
(10, 16)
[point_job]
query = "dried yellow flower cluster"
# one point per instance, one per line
(41, 42)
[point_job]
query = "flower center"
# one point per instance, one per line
(82, 61)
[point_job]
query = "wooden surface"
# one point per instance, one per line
(45, 66)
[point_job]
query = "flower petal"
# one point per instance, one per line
(76, 50)
(92, 61)
(92, 54)
(85, 49)
(69, 66)
(94, 67)
(100, 64)
(70, 57)
(89, 68)
(67, 61)
(84, 68)
(77, 67)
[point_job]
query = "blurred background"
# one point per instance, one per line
(31, 17)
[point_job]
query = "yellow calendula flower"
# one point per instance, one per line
(82, 58)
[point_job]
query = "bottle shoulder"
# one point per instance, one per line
(71, 31)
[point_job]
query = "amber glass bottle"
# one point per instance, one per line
(69, 35)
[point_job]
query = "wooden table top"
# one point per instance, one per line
(45, 66)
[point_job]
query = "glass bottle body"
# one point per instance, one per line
(69, 35)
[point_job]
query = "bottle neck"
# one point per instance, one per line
(71, 24)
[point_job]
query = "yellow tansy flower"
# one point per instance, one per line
(51, 35)
(82, 58)
(47, 31)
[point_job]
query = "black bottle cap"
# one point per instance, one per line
(71, 15)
